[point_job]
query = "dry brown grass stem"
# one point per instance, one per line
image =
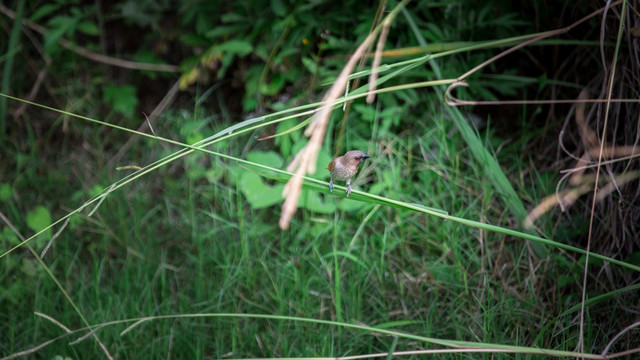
(589, 138)
(580, 183)
(377, 60)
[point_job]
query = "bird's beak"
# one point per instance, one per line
(365, 156)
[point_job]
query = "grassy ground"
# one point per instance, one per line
(172, 243)
(194, 246)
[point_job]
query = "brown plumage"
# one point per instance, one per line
(345, 167)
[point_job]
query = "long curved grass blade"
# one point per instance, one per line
(600, 298)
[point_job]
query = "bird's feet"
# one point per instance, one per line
(331, 185)
(348, 189)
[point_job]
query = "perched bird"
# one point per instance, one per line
(345, 167)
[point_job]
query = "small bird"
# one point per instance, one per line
(345, 167)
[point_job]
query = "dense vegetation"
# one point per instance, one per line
(149, 139)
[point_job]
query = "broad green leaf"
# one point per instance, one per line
(347, 205)
(269, 158)
(123, 98)
(236, 47)
(312, 201)
(88, 27)
(38, 219)
(258, 194)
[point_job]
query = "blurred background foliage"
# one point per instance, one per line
(200, 234)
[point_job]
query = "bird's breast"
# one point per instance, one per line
(342, 172)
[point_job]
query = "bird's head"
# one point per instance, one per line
(353, 158)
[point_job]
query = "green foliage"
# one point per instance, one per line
(75, 20)
(257, 192)
(634, 258)
(193, 237)
(5, 192)
(122, 98)
(39, 219)
(143, 13)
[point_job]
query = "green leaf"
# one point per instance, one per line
(564, 280)
(284, 137)
(95, 190)
(226, 62)
(38, 219)
(592, 262)
(310, 65)
(312, 201)
(88, 27)
(194, 168)
(5, 192)
(236, 47)
(278, 8)
(249, 104)
(60, 25)
(214, 174)
(194, 138)
(273, 87)
(367, 113)
(542, 81)
(269, 158)
(9, 236)
(348, 205)
(194, 40)
(232, 17)
(43, 10)
(258, 194)
(634, 258)
(222, 31)
(123, 98)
